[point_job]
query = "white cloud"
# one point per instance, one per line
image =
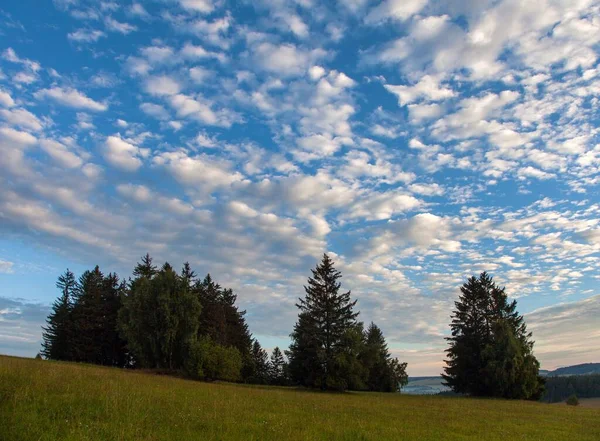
(71, 98)
(5, 99)
(86, 35)
(116, 26)
(60, 153)
(162, 85)
(122, 154)
(202, 6)
(199, 170)
(22, 118)
(394, 9)
(428, 88)
(285, 59)
(155, 110)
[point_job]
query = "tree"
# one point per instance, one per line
(384, 373)
(145, 268)
(260, 361)
(277, 369)
(223, 322)
(88, 315)
(318, 340)
(491, 352)
(59, 330)
(160, 317)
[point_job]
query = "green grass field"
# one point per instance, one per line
(42, 400)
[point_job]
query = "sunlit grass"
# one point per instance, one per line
(42, 400)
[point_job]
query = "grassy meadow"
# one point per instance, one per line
(42, 400)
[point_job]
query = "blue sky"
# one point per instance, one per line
(417, 142)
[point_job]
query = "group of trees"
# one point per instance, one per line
(330, 349)
(83, 325)
(160, 319)
(176, 322)
(491, 352)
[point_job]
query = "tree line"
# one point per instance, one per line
(174, 322)
(562, 387)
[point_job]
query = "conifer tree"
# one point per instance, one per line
(145, 268)
(260, 364)
(88, 317)
(223, 322)
(277, 369)
(491, 352)
(318, 340)
(59, 330)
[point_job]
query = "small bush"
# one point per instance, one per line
(39, 356)
(573, 400)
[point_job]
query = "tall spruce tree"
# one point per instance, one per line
(88, 315)
(491, 352)
(319, 337)
(59, 330)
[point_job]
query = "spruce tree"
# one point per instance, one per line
(88, 317)
(318, 340)
(260, 364)
(223, 322)
(277, 368)
(145, 268)
(59, 330)
(384, 373)
(491, 352)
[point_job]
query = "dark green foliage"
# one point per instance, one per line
(260, 364)
(223, 322)
(175, 323)
(59, 330)
(160, 318)
(39, 356)
(559, 388)
(573, 400)
(383, 373)
(329, 349)
(490, 350)
(318, 353)
(277, 368)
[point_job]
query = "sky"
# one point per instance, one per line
(417, 142)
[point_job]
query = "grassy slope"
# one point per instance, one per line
(42, 400)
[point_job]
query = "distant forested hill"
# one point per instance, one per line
(578, 369)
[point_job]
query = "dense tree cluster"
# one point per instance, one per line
(172, 321)
(491, 352)
(160, 319)
(330, 350)
(83, 323)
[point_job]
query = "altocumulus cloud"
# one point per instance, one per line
(417, 142)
